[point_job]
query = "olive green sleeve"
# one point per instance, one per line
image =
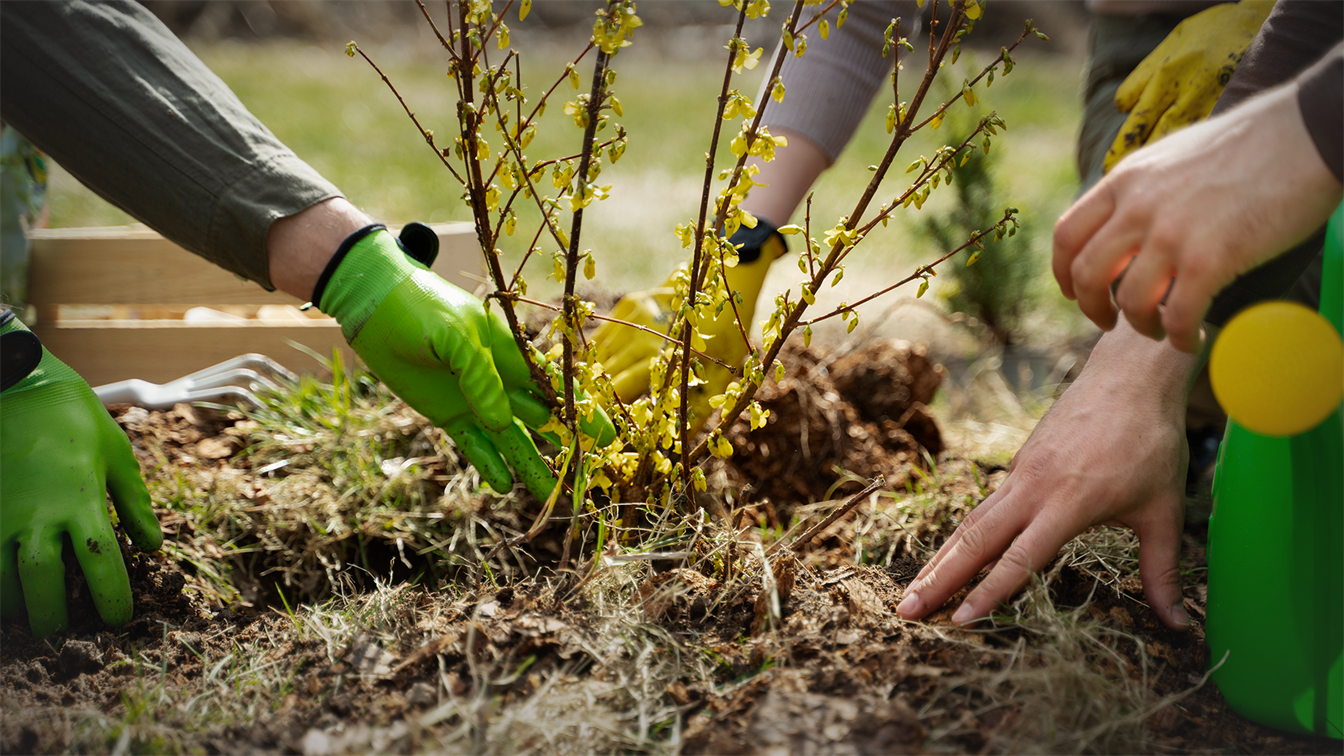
(118, 101)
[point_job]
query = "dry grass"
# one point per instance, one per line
(374, 535)
(334, 475)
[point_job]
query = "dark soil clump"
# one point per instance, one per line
(837, 423)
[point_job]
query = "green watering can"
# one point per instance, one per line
(1275, 618)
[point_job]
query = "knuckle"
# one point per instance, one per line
(1169, 576)
(1167, 238)
(1196, 266)
(1015, 564)
(1087, 275)
(1143, 323)
(974, 542)
(1066, 237)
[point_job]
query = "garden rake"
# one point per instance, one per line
(231, 380)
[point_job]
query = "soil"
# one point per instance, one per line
(831, 671)
(837, 422)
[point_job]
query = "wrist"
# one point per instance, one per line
(763, 240)
(301, 245)
(24, 363)
(367, 266)
(1134, 365)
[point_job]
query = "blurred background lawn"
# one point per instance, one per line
(336, 113)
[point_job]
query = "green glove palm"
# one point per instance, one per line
(1181, 80)
(438, 349)
(62, 453)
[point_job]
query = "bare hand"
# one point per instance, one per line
(1112, 451)
(1201, 206)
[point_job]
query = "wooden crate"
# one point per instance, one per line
(110, 303)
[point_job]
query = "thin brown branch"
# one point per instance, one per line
(516, 147)
(572, 328)
(427, 134)
(794, 314)
(721, 212)
(807, 236)
(813, 531)
(469, 124)
(517, 150)
(976, 80)
(817, 16)
(919, 273)
(517, 274)
(732, 303)
(692, 296)
(496, 20)
(446, 44)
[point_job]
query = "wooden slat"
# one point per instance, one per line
(133, 265)
(163, 350)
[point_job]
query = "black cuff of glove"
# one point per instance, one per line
(417, 241)
(336, 259)
(20, 353)
(752, 240)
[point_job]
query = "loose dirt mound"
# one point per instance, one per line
(185, 434)
(837, 423)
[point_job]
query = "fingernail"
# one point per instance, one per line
(1179, 615)
(965, 613)
(909, 605)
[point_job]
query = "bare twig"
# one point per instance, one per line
(426, 133)
(812, 532)
(687, 331)
(919, 273)
(609, 319)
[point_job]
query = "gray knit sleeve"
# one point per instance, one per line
(829, 89)
(115, 98)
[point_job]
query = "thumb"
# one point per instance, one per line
(1159, 552)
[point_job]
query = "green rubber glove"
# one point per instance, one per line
(60, 455)
(443, 353)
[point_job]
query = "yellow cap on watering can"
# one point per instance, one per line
(1278, 368)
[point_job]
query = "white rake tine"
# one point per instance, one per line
(222, 392)
(235, 377)
(256, 362)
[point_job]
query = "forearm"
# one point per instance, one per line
(121, 103)
(828, 90)
(1299, 40)
(786, 179)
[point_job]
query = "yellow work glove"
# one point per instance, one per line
(625, 352)
(1181, 80)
